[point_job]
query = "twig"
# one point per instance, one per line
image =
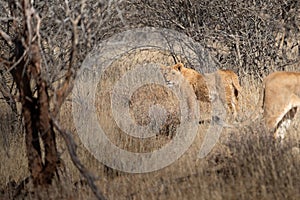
(67, 85)
(6, 38)
(21, 187)
(71, 145)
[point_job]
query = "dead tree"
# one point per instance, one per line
(38, 112)
(25, 67)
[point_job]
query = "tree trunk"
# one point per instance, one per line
(35, 111)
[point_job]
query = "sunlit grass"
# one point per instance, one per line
(246, 163)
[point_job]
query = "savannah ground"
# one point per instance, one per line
(246, 163)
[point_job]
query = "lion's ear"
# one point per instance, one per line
(178, 66)
(162, 67)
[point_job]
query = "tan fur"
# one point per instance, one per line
(174, 78)
(232, 88)
(229, 80)
(196, 80)
(281, 99)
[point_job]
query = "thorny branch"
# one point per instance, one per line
(72, 151)
(67, 85)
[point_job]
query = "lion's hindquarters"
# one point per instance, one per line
(232, 89)
(280, 101)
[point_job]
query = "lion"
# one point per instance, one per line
(281, 98)
(229, 80)
(176, 79)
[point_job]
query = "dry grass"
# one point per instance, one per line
(245, 164)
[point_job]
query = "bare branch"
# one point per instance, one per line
(6, 38)
(8, 96)
(71, 145)
(67, 86)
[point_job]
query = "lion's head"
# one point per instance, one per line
(177, 74)
(172, 75)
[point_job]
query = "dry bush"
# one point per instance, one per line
(251, 37)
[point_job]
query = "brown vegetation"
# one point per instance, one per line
(43, 46)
